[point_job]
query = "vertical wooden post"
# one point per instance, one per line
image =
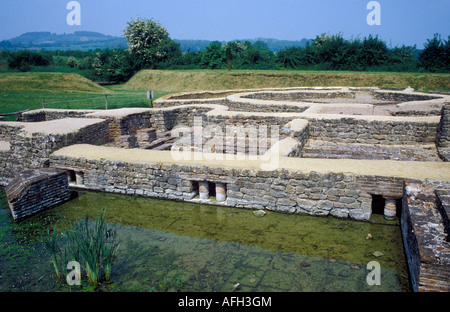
(44, 104)
(106, 102)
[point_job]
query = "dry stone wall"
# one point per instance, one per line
(52, 114)
(31, 150)
(391, 131)
(321, 194)
(443, 136)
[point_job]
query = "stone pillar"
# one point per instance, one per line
(221, 192)
(203, 190)
(79, 177)
(390, 208)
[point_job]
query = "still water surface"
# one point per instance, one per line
(174, 246)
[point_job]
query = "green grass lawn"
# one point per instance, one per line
(20, 92)
(16, 101)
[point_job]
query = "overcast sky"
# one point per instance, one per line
(406, 22)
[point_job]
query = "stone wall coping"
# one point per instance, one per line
(297, 125)
(210, 106)
(26, 178)
(386, 168)
(58, 126)
(283, 147)
(16, 124)
(120, 112)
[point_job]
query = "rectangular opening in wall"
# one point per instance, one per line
(212, 189)
(71, 176)
(195, 188)
(378, 204)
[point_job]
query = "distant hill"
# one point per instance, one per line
(79, 40)
(90, 40)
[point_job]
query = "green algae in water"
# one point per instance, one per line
(174, 246)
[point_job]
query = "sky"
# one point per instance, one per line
(408, 22)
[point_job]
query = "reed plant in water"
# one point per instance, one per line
(89, 243)
(51, 243)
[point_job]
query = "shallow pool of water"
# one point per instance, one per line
(174, 246)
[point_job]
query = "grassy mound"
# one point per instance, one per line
(208, 80)
(48, 82)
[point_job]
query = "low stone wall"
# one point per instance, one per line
(387, 130)
(289, 192)
(401, 96)
(343, 195)
(164, 120)
(444, 127)
(36, 190)
(184, 100)
(292, 96)
(31, 146)
(9, 129)
(123, 122)
(46, 114)
(239, 104)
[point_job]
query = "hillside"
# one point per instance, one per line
(79, 40)
(48, 82)
(177, 81)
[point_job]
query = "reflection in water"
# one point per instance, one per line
(173, 246)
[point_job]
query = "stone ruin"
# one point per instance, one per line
(340, 152)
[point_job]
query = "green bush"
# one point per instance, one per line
(23, 60)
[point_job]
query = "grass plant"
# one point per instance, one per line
(89, 243)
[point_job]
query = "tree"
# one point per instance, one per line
(213, 56)
(148, 42)
(433, 58)
(113, 65)
(402, 59)
(229, 57)
(72, 62)
(23, 60)
(374, 52)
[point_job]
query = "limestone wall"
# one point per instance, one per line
(443, 136)
(400, 96)
(9, 129)
(31, 146)
(343, 195)
(292, 96)
(388, 130)
(52, 114)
